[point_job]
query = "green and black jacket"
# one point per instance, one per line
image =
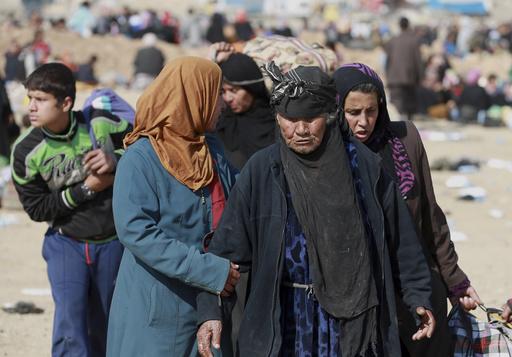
(47, 172)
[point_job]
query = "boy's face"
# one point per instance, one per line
(44, 110)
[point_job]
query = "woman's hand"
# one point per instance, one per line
(427, 326)
(469, 300)
(507, 311)
(208, 334)
(231, 281)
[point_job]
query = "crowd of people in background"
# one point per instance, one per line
(440, 91)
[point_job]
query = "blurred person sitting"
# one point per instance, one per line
(243, 28)
(169, 30)
(495, 91)
(85, 72)
(148, 62)
(82, 21)
(282, 28)
(474, 100)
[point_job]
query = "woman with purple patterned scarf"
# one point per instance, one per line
(362, 102)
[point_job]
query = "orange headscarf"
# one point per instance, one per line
(174, 112)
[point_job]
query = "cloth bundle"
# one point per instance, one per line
(474, 338)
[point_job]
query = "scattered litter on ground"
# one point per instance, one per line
(500, 164)
(473, 193)
(433, 135)
(457, 181)
(463, 165)
(457, 236)
(496, 213)
(22, 307)
(36, 292)
(7, 219)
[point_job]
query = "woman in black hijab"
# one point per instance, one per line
(362, 100)
(247, 125)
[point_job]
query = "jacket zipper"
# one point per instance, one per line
(206, 221)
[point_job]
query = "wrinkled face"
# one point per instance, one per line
(212, 125)
(302, 135)
(361, 111)
(237, 98)
(44, 110)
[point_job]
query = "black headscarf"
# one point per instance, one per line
(382, 140)
(351, 75)
(245, 133)
(324, 198)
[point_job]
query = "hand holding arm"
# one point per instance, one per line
(231, 281)
(99, 162)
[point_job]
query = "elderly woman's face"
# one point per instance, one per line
(361, 111)
(302, 135)
(237, 98)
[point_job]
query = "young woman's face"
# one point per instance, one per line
(237, 98)
(361, 111)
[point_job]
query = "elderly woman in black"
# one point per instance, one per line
(316, 222)
(362, 99)
(248, 124)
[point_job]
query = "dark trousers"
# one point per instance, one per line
(82, 277)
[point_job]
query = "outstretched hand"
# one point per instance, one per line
(209, 333)
(427, 325)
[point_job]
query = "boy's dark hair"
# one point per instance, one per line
(53, 78)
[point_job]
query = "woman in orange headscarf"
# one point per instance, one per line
(170, 189)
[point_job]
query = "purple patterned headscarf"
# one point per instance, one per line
(351, 75)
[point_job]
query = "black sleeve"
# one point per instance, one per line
(231, 241)
(42, 204)
(410, 269)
